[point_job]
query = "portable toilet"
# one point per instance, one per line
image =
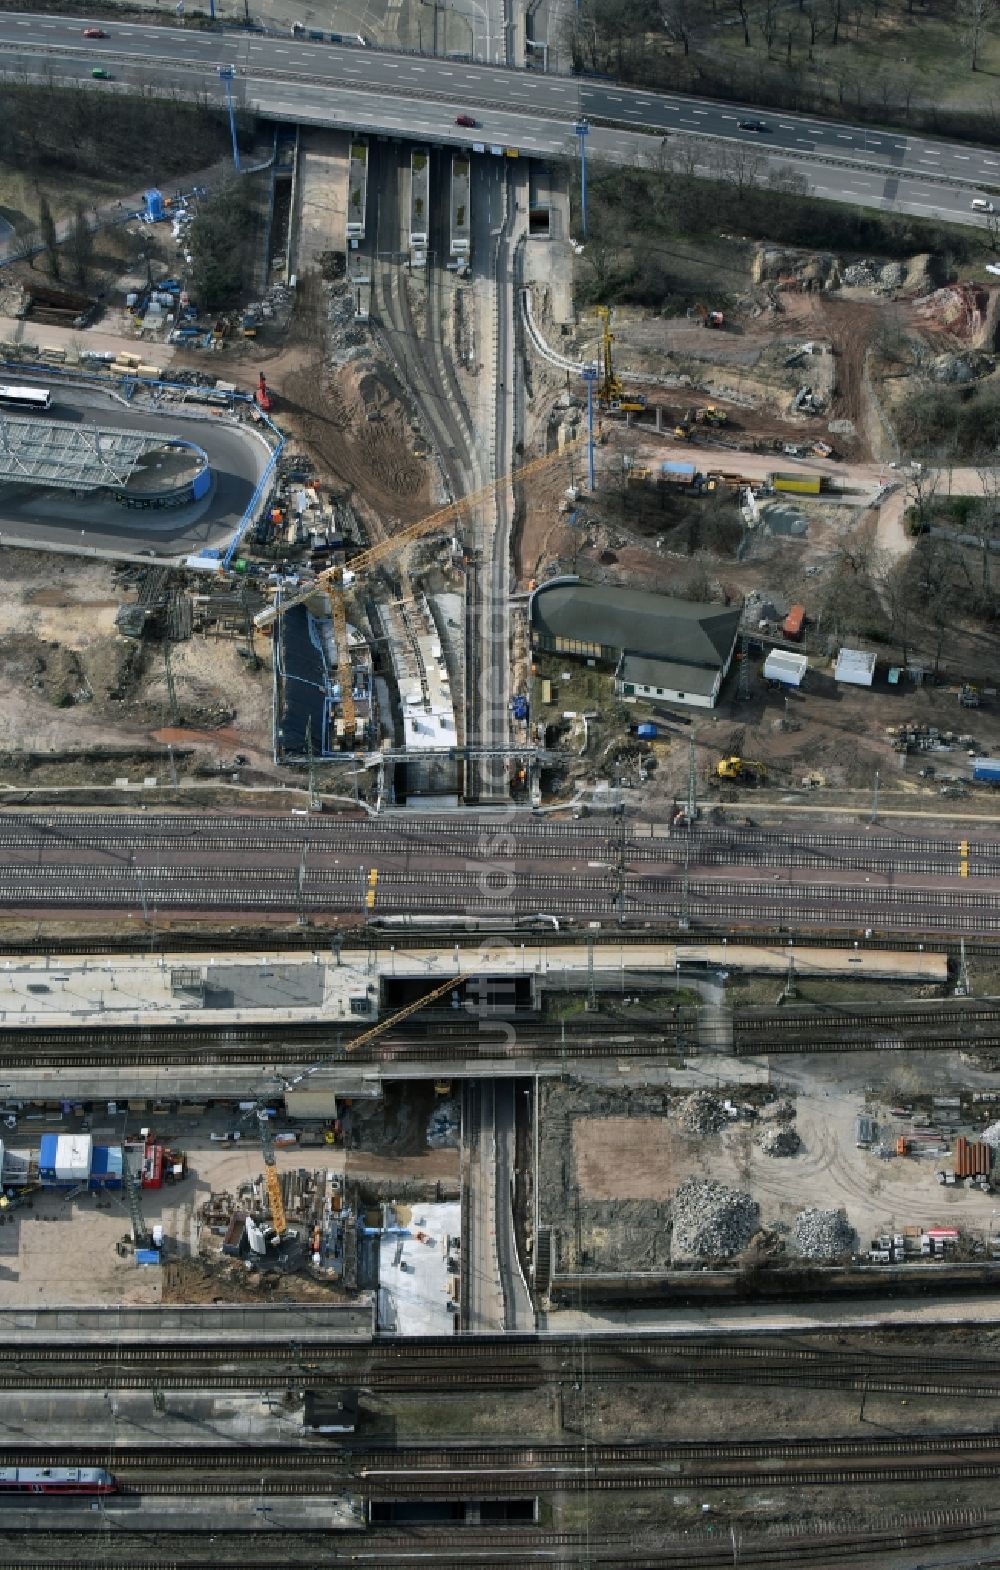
(155, 210)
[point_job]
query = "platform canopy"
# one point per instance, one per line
(71, 457)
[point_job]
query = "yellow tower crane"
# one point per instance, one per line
(332, 579)
(272, 1182)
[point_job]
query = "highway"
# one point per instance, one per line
(419, 97)
(807, 877)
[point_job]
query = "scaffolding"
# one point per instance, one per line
(71, 457)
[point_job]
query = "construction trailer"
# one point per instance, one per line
(357, 192)
(785, 668)
(855, 668)
(798, 484)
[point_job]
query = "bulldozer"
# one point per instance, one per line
(710, 415)
(744, 769)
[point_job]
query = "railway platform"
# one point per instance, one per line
(346, 988)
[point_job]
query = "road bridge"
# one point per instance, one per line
(313, 81)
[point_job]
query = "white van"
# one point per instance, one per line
(981, 205)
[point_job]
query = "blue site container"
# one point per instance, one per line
(47, 1155)
(646, 732)
(106, 1167)
(147, 1256)
(987, 769)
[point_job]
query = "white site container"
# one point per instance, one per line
(74, 1154)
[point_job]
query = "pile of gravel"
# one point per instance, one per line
(823, 1234)
(710, 1221)
(701, 1113)
(991, 1136)
(780, 1140)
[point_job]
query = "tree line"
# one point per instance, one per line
(685, 45)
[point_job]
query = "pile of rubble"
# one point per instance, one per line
(711, 1221)
(991, 1136)
(778, 1112)
(443, 1126)
(700, 1113)
(780, 1139)
(823, 1234)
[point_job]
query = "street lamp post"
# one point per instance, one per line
(226, 74)
(582, 129)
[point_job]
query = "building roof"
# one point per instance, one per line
(668, 674)
(855, 666)
(782, 665)
(684, 632)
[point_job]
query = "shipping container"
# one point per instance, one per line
(987, 770)
(800, 484)
(646, 732)
(865, 1130)
(47, 1155)
(972, 1158)
(106, 1167)
(676, 472)
(147, 1256)
(794, 622)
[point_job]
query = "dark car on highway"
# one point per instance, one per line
(753, 125)
(466, 119)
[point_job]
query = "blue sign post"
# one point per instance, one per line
(226, 74)
(582, 129)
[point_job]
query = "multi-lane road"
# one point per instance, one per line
(419, 97)
(808, 877)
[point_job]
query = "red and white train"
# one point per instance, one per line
(56, 1480)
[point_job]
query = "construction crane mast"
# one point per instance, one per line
(332, 580)
(272, 1182)
(611, 392)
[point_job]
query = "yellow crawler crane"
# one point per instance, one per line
(272, 1182)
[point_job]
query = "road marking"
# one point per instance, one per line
(446, 73)
(929, 155)
(613, 98)
(277, 52)
(803, 141)
(841, 137)
(699, 111)
(783, 124)
(964, 157)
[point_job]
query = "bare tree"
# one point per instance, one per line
(745, 20)
(678, 21)
(835, 11)
(47, 230)
(81, 245)
(974, 18)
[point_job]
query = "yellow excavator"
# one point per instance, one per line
(272, 1182)
(745, 769)
(332, 579)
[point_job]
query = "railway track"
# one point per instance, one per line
(495, 1363)
(707, 845)
(944, 1025)
(472, 1459)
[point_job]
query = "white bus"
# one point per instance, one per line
(25, 397)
